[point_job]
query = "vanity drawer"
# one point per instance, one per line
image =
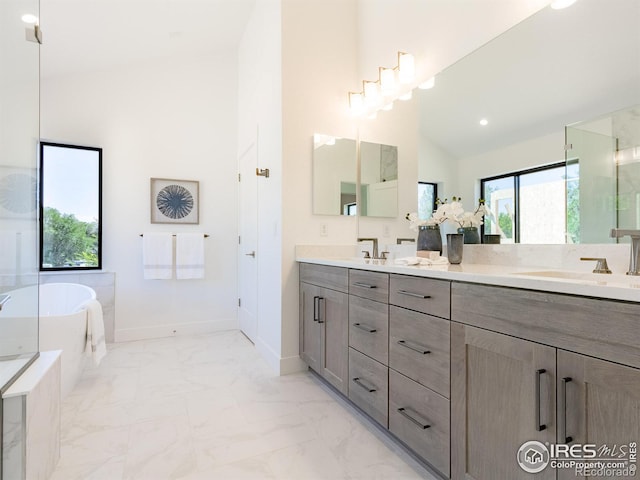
(600, 328)
(369, 328)
(335, 278)
(419, 347)
(372, 285)
(420, 418)
(425, 295)
(369, 386)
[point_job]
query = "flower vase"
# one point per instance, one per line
(454, 248)
(470, 234)
(429, 238)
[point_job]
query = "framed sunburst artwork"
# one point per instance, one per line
(174, 201)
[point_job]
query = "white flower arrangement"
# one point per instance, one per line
(450, 211)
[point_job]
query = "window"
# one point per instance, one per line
(427, 195)
(528, 206)
(71, 207)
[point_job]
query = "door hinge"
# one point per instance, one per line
(238, 177)
(239, 240)
(239, 302)
(568, 146)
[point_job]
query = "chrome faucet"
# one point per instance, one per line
(634, 268)
(374, 253)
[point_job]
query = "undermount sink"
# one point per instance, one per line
(616, 279)
(568, 275)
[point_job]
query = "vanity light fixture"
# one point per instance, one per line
(392, 84)
(560, 4)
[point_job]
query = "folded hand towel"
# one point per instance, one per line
(95, 346)
(157, 255)
(189, 255)
(407, 261)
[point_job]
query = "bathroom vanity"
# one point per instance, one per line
(463, 364)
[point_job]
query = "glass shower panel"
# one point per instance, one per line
(592, 154)
(19, 135)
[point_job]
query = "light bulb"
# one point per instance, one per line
(387, 81)
(406, 96)
(371, 93)
(356, 102)
(484, 122)
(406, 67)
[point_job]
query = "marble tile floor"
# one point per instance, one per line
(209, 408)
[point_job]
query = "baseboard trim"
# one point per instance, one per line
(280, 365)
(174, 330)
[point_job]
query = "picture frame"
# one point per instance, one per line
(174, 201)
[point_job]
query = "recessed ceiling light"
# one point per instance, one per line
(29, 18)
(484, 122)
(560, 4)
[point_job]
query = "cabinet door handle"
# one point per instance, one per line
(364, 327)
(321, 315)
(315, 308)
(404, 411)
(413, 294)
(539, 426)
(364, 285)
(363, 384)
(563, 392)
(414, 346)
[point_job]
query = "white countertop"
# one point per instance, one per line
(614, 286)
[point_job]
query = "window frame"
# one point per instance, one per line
(435, 195)
(516, 192)
(42, 173)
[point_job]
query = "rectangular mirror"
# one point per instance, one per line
(71, 207)
(378, 180)
(555, 68)
(334, 175)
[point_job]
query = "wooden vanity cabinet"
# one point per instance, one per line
(324, 322)
(506, 387)
(503, 395)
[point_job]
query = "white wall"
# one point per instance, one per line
(438, 33)
(520, 156)
(260, 110)
(169, 119)
(319, 55)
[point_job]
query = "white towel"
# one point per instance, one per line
(189, 255)
(95, 346)
(421, 261)
(157, 256)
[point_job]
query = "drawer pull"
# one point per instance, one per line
(414, 346)
(364, 327)
(404, 411)
(363, 384)
(363, 285)
(413, 294)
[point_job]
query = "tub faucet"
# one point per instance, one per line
(374, 241)
(634, 268)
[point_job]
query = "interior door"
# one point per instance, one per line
(247, 241)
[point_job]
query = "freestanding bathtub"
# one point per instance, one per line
(62, 323)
